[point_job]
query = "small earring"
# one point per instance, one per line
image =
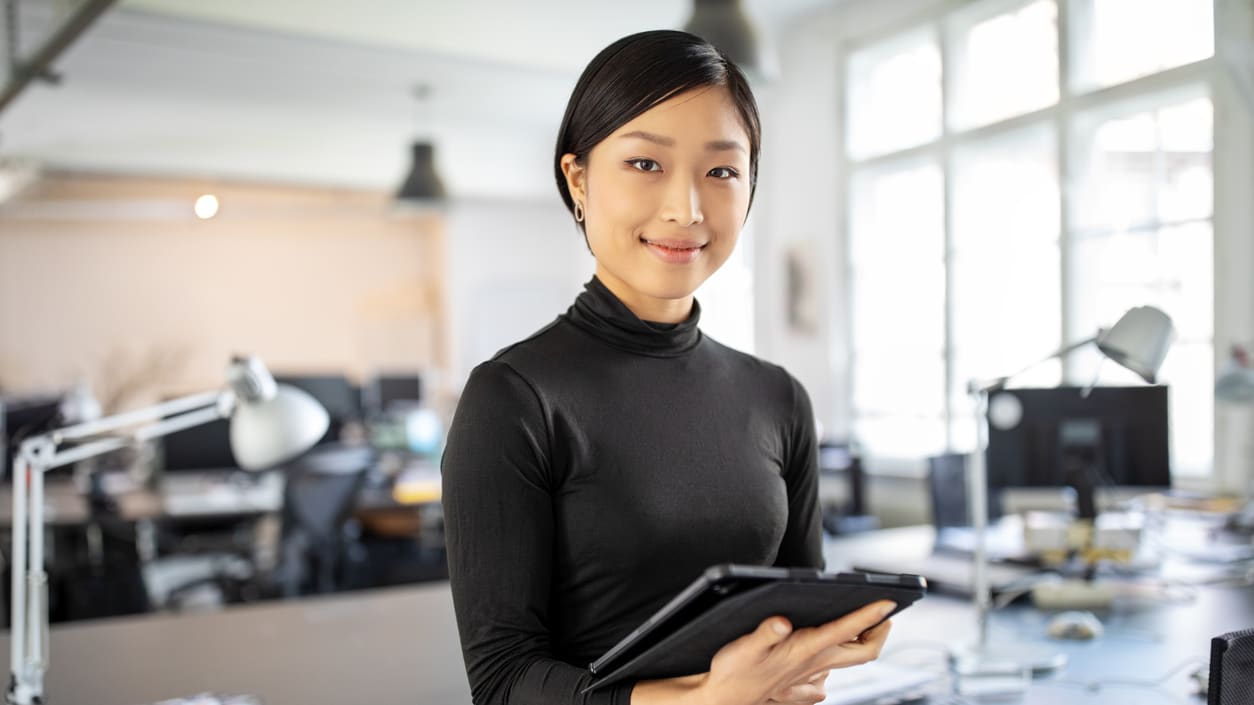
(578, 212)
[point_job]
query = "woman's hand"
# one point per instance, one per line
(774, 663)
(806, 692)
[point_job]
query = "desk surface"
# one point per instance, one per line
(400, 646)
(383, 647)
(1137, 645)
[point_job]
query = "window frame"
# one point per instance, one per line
(1062, 117)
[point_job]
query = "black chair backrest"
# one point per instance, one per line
(320, 489)
(947, 487)
(1231, 668)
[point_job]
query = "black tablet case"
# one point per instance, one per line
(690, 648)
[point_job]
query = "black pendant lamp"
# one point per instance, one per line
(724, 24)
(423, 182)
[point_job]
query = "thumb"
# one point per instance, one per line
(772, 631)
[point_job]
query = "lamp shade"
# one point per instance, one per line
(423, 183)
(266, 432)
(1139, 341)
(1236, 380)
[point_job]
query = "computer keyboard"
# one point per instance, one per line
(208, 493)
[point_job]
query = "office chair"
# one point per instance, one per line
(1231, 668)
(319, 493)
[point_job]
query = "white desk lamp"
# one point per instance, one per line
(270, 423)
(1138, 341)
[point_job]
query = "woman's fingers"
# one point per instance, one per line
(853, 653)
(812, 690)
(849, 628)
(807, 693)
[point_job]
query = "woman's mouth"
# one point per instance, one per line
(675, 251)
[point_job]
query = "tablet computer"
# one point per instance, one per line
(729, 601)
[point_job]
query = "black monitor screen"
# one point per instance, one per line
(203, 447)
(1038, 436)
(387, 390)
(23, 418)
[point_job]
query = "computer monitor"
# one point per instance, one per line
(341, 400)
(1060, 437)
(23, 417)
(203, 447)
(389, 390)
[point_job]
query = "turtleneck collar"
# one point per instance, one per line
(599, 312)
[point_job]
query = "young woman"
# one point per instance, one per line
(596, 468)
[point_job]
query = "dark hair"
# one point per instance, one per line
(636, 73)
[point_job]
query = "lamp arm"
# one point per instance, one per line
(988, 386)
(28, 648)
(156, 412)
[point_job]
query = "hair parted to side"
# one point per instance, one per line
(636, 73)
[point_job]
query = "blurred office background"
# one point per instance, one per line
(949, 191)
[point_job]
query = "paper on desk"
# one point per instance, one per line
(872, 681)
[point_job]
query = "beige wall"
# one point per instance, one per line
(114, 280)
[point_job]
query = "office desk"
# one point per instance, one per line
(1136, 645)
(400, 645)
(65, 505)
(382, 647)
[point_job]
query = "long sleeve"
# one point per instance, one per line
(499, 515)
(802, 545)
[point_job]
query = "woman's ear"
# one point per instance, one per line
(576, 177)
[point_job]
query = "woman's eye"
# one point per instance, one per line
(644, 164)
(723, 173)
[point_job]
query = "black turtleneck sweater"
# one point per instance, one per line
(595, 469)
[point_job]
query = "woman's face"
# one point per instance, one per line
(664, 198)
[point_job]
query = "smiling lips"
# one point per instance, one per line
(675, 251)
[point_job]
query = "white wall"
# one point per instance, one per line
(513, 266)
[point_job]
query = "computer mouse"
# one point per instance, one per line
(1074, 624)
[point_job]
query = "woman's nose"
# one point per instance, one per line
(683, 203)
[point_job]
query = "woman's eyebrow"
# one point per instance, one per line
(712, 146)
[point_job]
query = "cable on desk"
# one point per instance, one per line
(1096, 685)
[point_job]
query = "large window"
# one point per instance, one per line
(1008, 194)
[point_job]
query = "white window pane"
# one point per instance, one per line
(1172, 269)
(1007, 310)
(1189, 371)
(1119, 40)
(903, 382)
(1142, 165)
(894, 94)
(899, 436)
(896, 212)
(900, 307)
(1003, 64)
(1005, 191)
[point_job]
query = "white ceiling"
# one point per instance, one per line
(546, 34)
(319, 91)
